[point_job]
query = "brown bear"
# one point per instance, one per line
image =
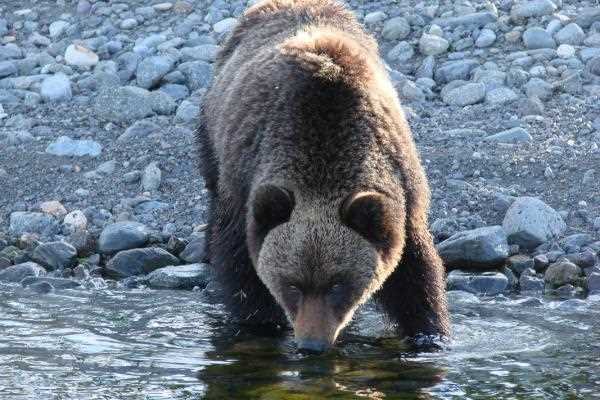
(318, 200)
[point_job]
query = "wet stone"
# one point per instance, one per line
(57, 283)
(561, 273)
(179, 277)
(194, 252)
(485, 283)
(33, 222)
(55, 255)
(529, 283)
(18, 272)
(139, 261)
(478, 248)
(122, 236)
(519, 263)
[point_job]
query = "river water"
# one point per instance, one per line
(115, 343)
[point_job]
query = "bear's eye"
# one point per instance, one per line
(293, 294)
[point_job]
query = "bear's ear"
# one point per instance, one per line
(374, 216)
(272, 206)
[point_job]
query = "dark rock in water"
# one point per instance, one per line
(531, 283)
(593, 283)
(4, 262)
(478, 248)
(585, 259)
(194, 251)
(33, 222)
(520, 263)
(139, 261)
(41, 287)
(17, 272)
(122, 236)
(176, 245)
(179, 277)
(562, 273)
(574, 243)
(488, 283)
(55, 255)
(513, 280)
(565, 292)
(58, 283)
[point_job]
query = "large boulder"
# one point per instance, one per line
(478, 248)
(485, 283)
(139, 261)
(33, 222)
(55, 255)
(530, 222)
(123, 235)
(179, 277)
(18, 272)
(562, 273)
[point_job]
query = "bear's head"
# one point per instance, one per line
(321, 259)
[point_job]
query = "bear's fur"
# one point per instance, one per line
(318, 199)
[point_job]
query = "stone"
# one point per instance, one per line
(123, 235)
(41, 287)
(139, 261)
(18, 272)
(532, 8)
(538, 88)
(128, 23)
(587, 16)
(401, 52)
(123, 104)
(467, 94)
(203, 52)
(501, 95)
(562, 273)
(513, 135)
(573, 243)
(374, 17)
(140, 130)
(198, 74)
(65, 146)
(472, 19)
(483, 283)
(32, 222)
(74, 221)
(151, 70)
(57, 28)
(455, 70)
(54, 208)
(55, 255)
(80, 56)
(538, 38)
(529, 283)
(565, 51)
(570, 34)
(151, 177)
(530, 222)
(397, 28)
(431, 45)
(194, 251)
(56, 88)
(162, 103)
(225, 25)
(188, 112)
(593, 283)
(486, 38)
(485, 247)
(179, 277)
(520, 263)
(8, 68)
(56, 283)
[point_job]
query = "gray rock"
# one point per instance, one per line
(55, 255)
(162, 103)
(470, 93)
(513, 135)
(473, 19)
(538, 88)
(401, 52)
(374, 17)
(570, 34)
(179, 277)
(225, 25)
(80, 56)
(123, 104)
(530, 222)
(529, 283)
(10, 51)
(187, 112)
(538, 38)
(593, 283)
(177, 92)
(151, 177)
(16, 273)
(587, 16)
(485, 283)
(122, 236)
(198, 74)
(7, 68)
(128, 23)
(486, 38)
(562, 273)
(58, 283)
(533, 8)
(57, 28)
(194, 252)
(56, 88)
(204, 52)
(501, 95)
(140, 130)
(151, 70)
(478, 248)
(139, 261)
(33, 222)
(65, 146)
(455, 70)
(431, 45)
(520, 263)
(41, 287)
(396, 28)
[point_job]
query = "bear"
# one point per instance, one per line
(317, 199)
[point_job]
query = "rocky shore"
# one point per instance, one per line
(99, 100)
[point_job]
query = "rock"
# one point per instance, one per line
(198, 73)
(162, 103)
(151, 177)
(470, 93)
(140, 130)
(538, 38)
(139, 261)
(225, 25)
(123, 104)
(41, 287)
(375, 17)
(472, 19)
(593, 283)
(187, 112)
(32, 222)
(194, 252)
(486, 38)
(538, 88)
(501, 95)
(570, 34)
(565, 51)
(55, 255)
(478, 248)
(151, 70)
(74, 221)
(455, 70)
(587, 16)
(58, 283)
(179, 277)
(443, 228)
(529, 283)
(57, 28)
(17, 272)
(122, 236)
(65, 146)
(80, 56)
(7, 68)
(431, 45)
(485, 283)
(562, 273)
(540, 262)
(396, 28)
(56, 88)
(54, 208)
(519, 263)
(530, 222)
(128, 23)
(513, 135)
(401, 52)
(533, 8)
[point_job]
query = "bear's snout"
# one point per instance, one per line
(312, 346)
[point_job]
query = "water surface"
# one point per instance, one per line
(114, 343)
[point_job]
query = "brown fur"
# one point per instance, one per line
(314, 177)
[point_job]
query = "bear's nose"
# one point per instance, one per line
(312, 346)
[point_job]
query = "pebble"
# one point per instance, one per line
(483, 283)
(55, 255)
(538, 38)
(225, 25)
(151, 70)
(432, 45)
(56, 88)
(486, 38)
(16, 273)
(54, 208)
(532, 8)
(571, 34)
(65, 146)
(80, 56)
(151, 177)
(128, 23)
(485, 247)
(57, 28)
(513, 135)
(397, 28)
(593, 283)
(401, 52)
(7, 68)
(565, 51)
(123, 104)
(464, 94)
(55, 283)
(139, 261)
(194, 251)
(179, 277)
(32, 222)
(122, 236)
(562, 273)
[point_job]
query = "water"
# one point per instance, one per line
(143, 344)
